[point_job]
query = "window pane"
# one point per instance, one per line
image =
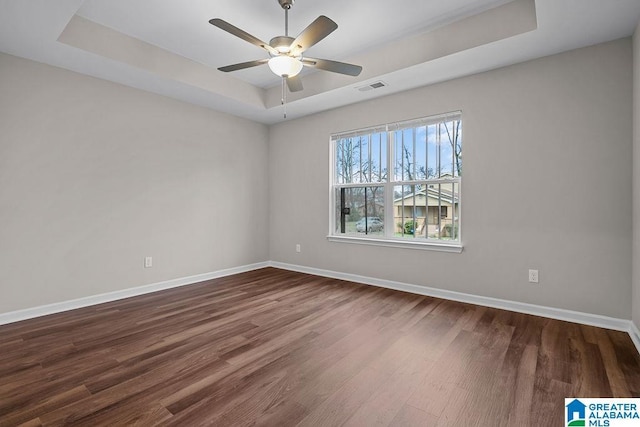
(421, 152)
(377, 167)
(451, 148)
(426, 211)
(433, 153)
(361, 159)
(446, 151)
(457, 144)
(443, 209)
(454, 233)
(360, 210)
(409, 154)
(344, 161)
(409, 207)
(398, 162)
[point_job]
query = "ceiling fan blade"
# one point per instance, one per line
(231, 29)
(243, 65)
(333, 66)
(294, 84)
(316, 31)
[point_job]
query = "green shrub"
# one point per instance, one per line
(409, 227)
(446, 231)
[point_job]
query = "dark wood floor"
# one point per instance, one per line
(272, 347)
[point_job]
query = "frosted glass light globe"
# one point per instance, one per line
(285, 66)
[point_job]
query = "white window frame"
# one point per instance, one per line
(389, 239)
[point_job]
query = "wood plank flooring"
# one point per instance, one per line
(277, 348)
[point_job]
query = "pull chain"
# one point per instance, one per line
(283, 100)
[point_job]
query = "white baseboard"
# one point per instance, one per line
(520, 307)
(634, 333)
(29, 313)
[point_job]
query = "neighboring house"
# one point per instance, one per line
(430, 207)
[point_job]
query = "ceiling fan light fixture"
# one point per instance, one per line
(285, 66)
(282, 44)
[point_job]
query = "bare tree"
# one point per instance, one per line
(353, 165)
(456, 146)
(345, 160)
(377, 174)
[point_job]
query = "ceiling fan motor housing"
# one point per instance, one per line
(286, 4)
(281, 43)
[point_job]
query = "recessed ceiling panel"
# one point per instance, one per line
(183, 27)
(169, 48)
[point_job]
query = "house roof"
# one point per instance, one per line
(432, 193)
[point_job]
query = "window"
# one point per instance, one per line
(398, 183)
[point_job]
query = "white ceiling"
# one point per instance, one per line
(406, 44)
(186, 30)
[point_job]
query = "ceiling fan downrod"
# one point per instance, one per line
(286, 5)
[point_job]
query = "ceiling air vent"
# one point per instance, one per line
(375, 85)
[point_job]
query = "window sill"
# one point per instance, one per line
(393, 243)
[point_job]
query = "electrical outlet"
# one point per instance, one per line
(533, 276)
(148, 262)
(298, 250)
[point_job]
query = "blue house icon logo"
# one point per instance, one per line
(576, 413)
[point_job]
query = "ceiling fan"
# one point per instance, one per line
(286, 53)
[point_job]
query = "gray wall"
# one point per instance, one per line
(95, 176)
(547, 184)
(636, 177)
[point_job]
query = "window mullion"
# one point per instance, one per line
(439, 150)
(369, 138)
(359, 185)
(388, 188)
(360, 177)
(380, 158)
(452, 141)
(413, 141)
